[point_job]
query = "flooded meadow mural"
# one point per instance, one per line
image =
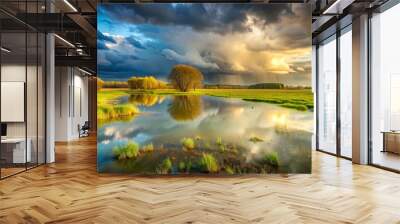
(204, 89)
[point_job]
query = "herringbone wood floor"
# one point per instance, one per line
(70, 191)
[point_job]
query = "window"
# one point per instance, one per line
(385, 89)
(334, 106)
(346, 93)
(327, 96)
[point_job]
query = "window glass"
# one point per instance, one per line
(385, 88)
(327, 96)
(346, 94)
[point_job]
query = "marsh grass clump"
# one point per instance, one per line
(128, 151)
(218, 141)
(207, 145)
(165, 167)
(220, 144)
(148, 148)
(185, 166)
(109, 111)
(232, 148)
(125, 109)
(104, 111)
(256, 139)
(208, 163)
(182, 166)
(271, 159)
(188, 143)
(188, 166)
(229, 170)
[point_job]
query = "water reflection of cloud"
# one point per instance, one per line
(109, 131)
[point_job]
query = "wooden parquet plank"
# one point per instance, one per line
(71, 191)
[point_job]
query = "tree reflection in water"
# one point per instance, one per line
(185, 108)
(146, 100)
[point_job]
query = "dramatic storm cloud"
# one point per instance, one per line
(229, 43)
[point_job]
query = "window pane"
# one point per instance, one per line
(31, 97)
(327, 96)
(346, 94)
(385, 86)
(13, 86)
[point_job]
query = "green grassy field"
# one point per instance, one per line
(296, 99)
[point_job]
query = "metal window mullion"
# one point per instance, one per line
(316, 97)
(37, 91)
(26, 86)
(369, 89)
(45, 95)
(73, 92)
(69, 93)
(0, 92)
(338, 92)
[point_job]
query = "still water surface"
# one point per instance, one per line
(253, 128)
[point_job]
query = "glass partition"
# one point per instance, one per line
(13, 94)
(22, 78)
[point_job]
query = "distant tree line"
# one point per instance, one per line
(111, 84)
(297, 87)
(147, 82)
(100, 83)
(185, 78)
(224, 86)
(267, 86)
(254, 86)
(115, 84)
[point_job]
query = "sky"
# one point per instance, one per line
(237, 44)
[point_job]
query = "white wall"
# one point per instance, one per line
(62, 81)
(14, 73)
(71, 102)
(80, 109)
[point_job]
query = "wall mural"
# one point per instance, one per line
(217, 89)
